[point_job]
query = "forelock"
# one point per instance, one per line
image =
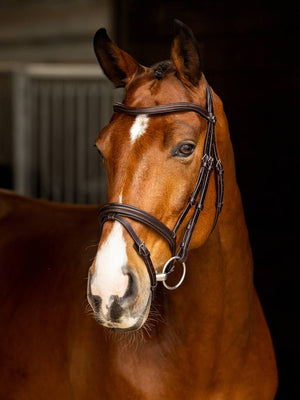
(162, 68)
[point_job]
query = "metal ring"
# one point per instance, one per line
(183, 274)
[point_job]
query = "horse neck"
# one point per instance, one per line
(206, 322)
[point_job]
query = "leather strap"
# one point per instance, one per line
(126, 210)
(165, 109)
(116, 212)
(139, 246)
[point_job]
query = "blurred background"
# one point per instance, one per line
(54, 100)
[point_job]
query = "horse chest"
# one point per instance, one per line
(153, 370)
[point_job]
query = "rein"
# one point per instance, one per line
(210, 161)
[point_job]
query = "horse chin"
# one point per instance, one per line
(132, 328)
(129, 322)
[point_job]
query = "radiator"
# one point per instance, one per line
(58, 113)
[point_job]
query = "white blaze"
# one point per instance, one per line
(111, 259)
(139, 127)
(109, 278)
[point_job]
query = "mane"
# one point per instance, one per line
(162, 68)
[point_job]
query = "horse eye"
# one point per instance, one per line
(184, 149)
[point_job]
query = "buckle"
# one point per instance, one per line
(207, 161)
(219, 166)
(142, 249)
(212, 118)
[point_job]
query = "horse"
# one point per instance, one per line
(170, 281)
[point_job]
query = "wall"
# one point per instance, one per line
(42, 31)
(51, 31)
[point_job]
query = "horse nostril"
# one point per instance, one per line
(132, 289)
(119, 305)
(115, 310)
(95, 302)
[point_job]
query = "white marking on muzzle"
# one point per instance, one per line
(109, 278)
(139, 127)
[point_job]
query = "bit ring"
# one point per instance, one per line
(163, 276)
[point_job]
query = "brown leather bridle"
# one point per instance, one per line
(210, 161)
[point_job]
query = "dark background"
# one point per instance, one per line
(250, 53)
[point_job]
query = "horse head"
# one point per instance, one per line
(152, 164)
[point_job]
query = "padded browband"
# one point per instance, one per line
(165, 109)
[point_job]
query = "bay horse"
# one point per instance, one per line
(165, 151)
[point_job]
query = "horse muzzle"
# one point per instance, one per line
(125, 312)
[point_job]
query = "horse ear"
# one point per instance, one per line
(117, 65)
(185, 54)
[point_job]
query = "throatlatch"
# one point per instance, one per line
(210, 161)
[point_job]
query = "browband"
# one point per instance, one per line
(165, 109)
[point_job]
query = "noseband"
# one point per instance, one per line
(210, 161)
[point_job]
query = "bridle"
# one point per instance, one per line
(210, 161)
